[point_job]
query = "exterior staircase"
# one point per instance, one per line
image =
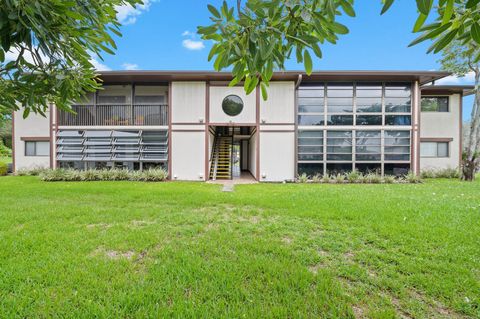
(221, 161)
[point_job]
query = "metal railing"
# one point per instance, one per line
(115, 115)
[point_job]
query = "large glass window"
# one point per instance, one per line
(35, 148)
(397, 146)
(310, 145)
(435, 104)
(340, 98)
(434, 149)
(368, 146)
(339, 145)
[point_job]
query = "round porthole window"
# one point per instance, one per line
(232, 105)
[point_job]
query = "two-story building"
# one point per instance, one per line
(198, 128)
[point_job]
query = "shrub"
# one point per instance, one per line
(411, 177)
(373, 178)
(440, 173)
(326, 179)
(35, 171)
(339, 179)
(389, 179)
(317, 178)
(90, 175)
(428, 173)
(353, 176)
(303, 178)
(53, 175)
(4, 151)
(67, 175)
(3, 169)
(154, 175)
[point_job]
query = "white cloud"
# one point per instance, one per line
(469, 78)
(99, 66)
(127, 14)
(193, 45)
(130, 66)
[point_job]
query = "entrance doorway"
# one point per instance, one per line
(232, 153)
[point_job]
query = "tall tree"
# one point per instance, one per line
(254, 37)
(52, 43)
(459, 59)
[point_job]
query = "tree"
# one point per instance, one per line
(258, 36)
(52, 43)
(460, 59)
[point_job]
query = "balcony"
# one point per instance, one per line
(115, 115)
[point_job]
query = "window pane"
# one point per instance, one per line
(149, 99)
(310, 168)
(340, 105)
(334, 169)
(397, 105)
(435, 104)
(428, 149)
(43, 148)
(369, 168)
(310, 105)
(311, 91)
(369, 120)
(310, 157)
(29, 148)
(310, 134)
(371, 104)
(111, 99)
(442, 150)
(398, 120)
(369, 89)
(396, 169)
(311, 120)
(340, 120)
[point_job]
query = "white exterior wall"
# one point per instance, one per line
(33, 126)
(188, 155)
(277, 156)
(252, 153)
(443, 125)
(218, 93)
(188, 102)
(279, 108)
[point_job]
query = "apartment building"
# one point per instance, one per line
(198, 128)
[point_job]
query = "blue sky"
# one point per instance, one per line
(161, 36)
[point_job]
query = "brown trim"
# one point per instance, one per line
(50, 131)
(56, 132)
(436, 139)
(35, 138)
(262, 124)
(460, 135)
(233, 124)
(207, 131)
(418, 126)
(169, 108)
(278, 131)
(257, 114)
(295, 152)
(344, 75)
(13, 142)
(189, 130)
(190, 123)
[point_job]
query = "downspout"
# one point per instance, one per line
(299, 81)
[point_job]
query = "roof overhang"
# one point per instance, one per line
(447, 89)
(166, 76)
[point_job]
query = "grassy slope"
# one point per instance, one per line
(188, 250)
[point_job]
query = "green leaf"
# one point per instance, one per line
(471, 3)
(263, 87)
(2, 55)
(307, 61)
(339, 28)
(386, 6)
(475, 32)
(347, 8)
(447, 15)
(419, 23)
(214, 11)
(424, 6)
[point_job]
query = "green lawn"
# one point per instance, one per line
(187, 250)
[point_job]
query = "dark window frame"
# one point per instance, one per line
(35, 153)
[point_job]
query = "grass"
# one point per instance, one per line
(185, 250)
(5, 159)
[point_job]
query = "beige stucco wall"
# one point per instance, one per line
(188, 155)
(188, 102)
(280, 105)
(218, 93)
(33, 126)
(277, 156)
(443, 125)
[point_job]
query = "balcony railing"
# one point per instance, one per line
(115, 115)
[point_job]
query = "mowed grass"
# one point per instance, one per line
(188, 250)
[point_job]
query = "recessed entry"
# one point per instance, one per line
(232, 105)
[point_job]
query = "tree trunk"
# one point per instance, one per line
(469, 162)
